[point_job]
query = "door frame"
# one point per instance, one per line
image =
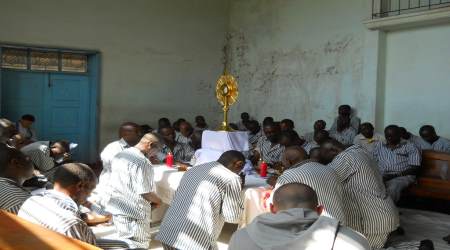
(93, 73)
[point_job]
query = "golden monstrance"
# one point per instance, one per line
(226, 93)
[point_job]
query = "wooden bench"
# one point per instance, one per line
(19, 234)
(434, 178)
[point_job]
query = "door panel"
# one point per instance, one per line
(23, 93)
(67, 111)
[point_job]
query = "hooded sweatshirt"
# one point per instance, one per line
(296, 228)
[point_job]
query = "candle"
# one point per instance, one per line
(263, 169)
(169, 159)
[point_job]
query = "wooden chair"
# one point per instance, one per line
(19, 234)
(434, 178)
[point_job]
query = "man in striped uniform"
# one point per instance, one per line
(368, 208)
(58, 210)
(291, 138)
(254, 133)
(367, 137)
(129, 136)
(185, 132)
(182, 152)
(431, 141)
(132, 191)
(319, 177)
(15, 168)
(398, 162)
(318, 125)
(347, 112)
(268, 147)
(344, 133)
(208, 196)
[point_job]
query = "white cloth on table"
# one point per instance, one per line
(224, 141)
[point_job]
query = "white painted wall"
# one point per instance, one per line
(300, 59)
(159, 58)
(417, 78)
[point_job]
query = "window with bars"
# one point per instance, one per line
(41, 60)
(386, 8)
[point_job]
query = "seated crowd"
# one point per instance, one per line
(342, 184)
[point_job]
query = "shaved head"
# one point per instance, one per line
(293, 155)
(329, 149)
(294, 195)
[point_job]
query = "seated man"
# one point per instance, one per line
(46, 156)
(162, 122)
(318, 125)
(367, 138)
(344, 133)
(431, 141)
(321, 178)
(409, 137)
(287, 124)
(368, 207)
(291, 138)
(254, 134)
(15, 168)
(320, 137)
(295, 223)
(346, 111)
(185, 133)
(182, 152)
(200, 123)
(24, 127)
(208, 196)
(129, 134)
(57, 209)
(242, 124)
(132, 191)
(398, 161)
(268, 148)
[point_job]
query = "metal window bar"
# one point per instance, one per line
(385, 8)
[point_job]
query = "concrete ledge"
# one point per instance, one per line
(403, 21)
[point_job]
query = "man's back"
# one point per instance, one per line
(324, 181)
(39, 153)
(368, 206)
(296, 228)
(12, 196)
(208, 195)
(57, 212)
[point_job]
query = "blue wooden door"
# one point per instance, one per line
(60, 103)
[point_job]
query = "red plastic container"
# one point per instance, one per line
(263, 169)
(169, 159)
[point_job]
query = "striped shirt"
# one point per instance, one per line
(345, 137)
(270, 154)
(39, 153)
(182, 139)
(254, 138)
(58, 212)
(307, 146)
(368, 207)
(398, 159)
(131, 176)
(354, 123)
(324, 181)
(368, 143)
(309, 137)
(181, 152)
(441, 145)
(208, 196)
(12, 195)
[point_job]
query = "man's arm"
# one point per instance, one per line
(152, 198)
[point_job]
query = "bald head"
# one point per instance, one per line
(76, 180)
(428, 133)
(294, 195)
(293, 155)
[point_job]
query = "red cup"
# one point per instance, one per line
(263, 169)
(169, 160)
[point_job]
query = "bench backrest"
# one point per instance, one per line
(435, 165)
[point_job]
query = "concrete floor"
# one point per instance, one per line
(224, 238)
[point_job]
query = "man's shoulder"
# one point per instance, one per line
(241, 240)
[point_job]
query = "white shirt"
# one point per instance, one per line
(27, 133)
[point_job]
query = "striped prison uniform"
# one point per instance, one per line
(394, 161)
(131, 177)
(39, 153)
(58, 212)
(208, 196)
(441, 145)
(324, 181)
(182, 152)
(254, 138)
(182, 139)
(345, 137)
(102, 191)
(12, 195)
(368, 208)
(269, 153)
(354, 123)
